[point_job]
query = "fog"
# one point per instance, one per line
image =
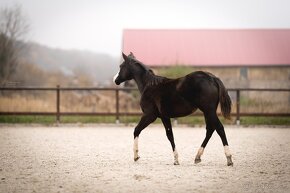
(97, 25)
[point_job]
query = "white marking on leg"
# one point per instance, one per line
(200, 152)
(136, 143)
(116, 76)
(175, 154)
(228, 155)
(135, 148)
(227, 150)
(198, 155)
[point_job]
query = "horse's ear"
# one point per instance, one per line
(125, 57)
(131, 55)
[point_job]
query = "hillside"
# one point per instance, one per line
(40, 64)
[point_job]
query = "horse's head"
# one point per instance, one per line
(125, 72)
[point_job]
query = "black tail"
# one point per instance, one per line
(224, 98)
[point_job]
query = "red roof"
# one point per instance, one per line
(259, 47)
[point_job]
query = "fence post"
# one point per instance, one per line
(238, 107)
(175, 122)
(57, 104)
(117, 106)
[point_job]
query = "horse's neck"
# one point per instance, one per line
(148, 79)
(141, 81)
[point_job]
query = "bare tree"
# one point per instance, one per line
(13, 27)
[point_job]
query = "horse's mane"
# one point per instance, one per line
(154, 80)
(150, 78)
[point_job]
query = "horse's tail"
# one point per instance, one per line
(224, 99)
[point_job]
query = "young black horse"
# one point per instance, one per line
(168, 98)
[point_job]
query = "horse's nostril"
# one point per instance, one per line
(117, 82)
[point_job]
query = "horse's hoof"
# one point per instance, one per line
(136, 159)
(176, 163)
(230, 164)
(197, 160)
(229, 161)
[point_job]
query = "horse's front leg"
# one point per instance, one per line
(168, 128)
(146, 119)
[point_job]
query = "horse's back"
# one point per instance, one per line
(182, 96)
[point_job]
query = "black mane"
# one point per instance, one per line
(134, 61)
(150, 78)
(154, 80)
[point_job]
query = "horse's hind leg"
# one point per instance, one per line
(210, 121)
(143, 123)
(221, 132)
(209, 132)
(168, 128)
(213, 123)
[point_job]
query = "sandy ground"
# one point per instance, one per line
(100, 159)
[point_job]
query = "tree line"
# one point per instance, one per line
(13, 29)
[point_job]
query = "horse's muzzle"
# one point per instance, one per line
(117, 81)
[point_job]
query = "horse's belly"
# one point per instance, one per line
(176, 108)
(180, 111)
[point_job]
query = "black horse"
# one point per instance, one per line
(166, 98)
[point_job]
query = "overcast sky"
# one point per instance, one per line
(97, 25)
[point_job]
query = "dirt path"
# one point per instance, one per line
(100, 159)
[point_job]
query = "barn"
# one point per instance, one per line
(247, 58)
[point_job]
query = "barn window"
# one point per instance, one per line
(244, 73)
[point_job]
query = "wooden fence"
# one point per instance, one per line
(117, 112)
